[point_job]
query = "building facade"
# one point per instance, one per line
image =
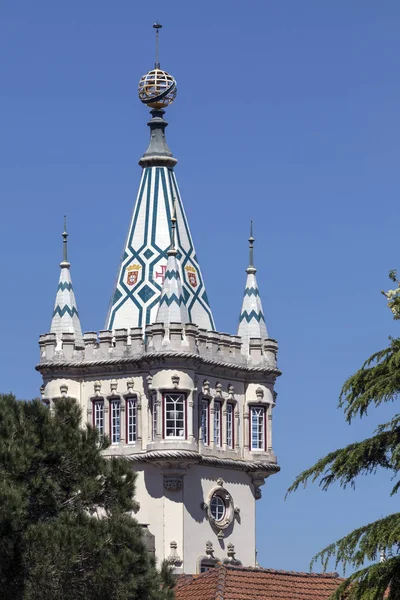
(190, 407)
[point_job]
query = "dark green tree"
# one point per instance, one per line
(377, 381)
(66, 530)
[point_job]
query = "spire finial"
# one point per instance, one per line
(172, 250)
(64, 234)
(157, 26)
(251, 246)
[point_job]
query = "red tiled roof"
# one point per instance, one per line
(242, 583)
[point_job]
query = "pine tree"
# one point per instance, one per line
(66, 530)
(377, 381)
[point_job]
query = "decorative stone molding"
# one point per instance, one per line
(266, 467)
(63, 390)
(149, 380)
(174, 558)
(97, 388)
(129, 385)
(259, 394)
(113, 386)
(173, 484)
(206, 388)
(222, 496)
(231, 392)
(231, 560)
(218, 390)
(175, 380)
(207, 560)
(210, 549)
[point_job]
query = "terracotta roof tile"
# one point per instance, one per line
(240, 583)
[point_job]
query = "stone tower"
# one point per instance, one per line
(190, 407)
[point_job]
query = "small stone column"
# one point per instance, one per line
(211, 424)
(269, 428)
(190, 417)
(159, 427)
(246, 417)
(236, 426)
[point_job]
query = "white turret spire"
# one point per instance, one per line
(65, 315)
(172, 308)
(251, 320)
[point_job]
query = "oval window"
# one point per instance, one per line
(217, 507)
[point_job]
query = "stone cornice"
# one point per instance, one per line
(267, 467)
(149, 359)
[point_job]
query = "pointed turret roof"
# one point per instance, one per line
(251, 320)
(65, 315)
(143, 267)
(172, 308)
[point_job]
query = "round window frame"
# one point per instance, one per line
(219, 503)
(228, 517)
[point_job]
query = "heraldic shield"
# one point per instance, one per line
(132, 275)
(191, 275)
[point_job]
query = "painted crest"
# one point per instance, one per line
(191, 275)
(132, 274)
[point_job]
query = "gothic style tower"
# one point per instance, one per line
(190, 407)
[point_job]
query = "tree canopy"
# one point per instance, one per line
(66, 529)
(377, 381)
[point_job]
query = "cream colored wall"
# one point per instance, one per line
(178, 515)
(199, 483)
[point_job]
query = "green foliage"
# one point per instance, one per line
(66, 529)
(377, 381)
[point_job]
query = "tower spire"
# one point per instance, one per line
(137, 293)
(157, 26)
(65, 317)
(65, 245)
(251, 320)
(172, 307)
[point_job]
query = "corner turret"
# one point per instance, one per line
(65, 317)
(251, 320)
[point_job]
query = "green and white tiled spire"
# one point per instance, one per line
(65, 315)
(141, 273)
(172, 307)
(251, 320)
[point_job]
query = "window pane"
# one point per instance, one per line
(115, 421)
(257, 428)
(229, 425)
(217, 508)
(217, 424)
(174, 409)
(204, 421)
(98, 418)
(154, 418)
(131, 420)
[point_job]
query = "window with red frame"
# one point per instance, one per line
(258, 428)
(174, 415)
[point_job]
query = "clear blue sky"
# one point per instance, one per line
(287, 113)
